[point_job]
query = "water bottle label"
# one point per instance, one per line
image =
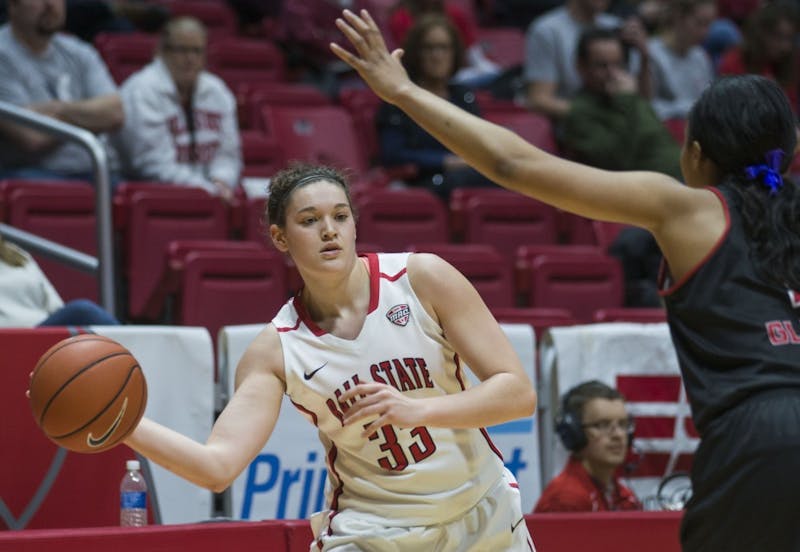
(133, 500)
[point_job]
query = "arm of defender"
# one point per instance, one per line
(238, 434)
(685, 221)
(639, 198)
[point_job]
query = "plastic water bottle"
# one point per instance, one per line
(133, 497)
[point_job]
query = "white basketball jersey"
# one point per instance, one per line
(398, 476)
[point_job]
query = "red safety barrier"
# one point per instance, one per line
(598, 532)
(41, 485)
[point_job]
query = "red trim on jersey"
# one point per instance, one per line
(393, 278)
(675, 286)
(459, 372)
(287, 328)
(307, 411)
(491, 443)
(332, 454)
(373, 265)
(460, 379)
(374, 295)
(304, 316)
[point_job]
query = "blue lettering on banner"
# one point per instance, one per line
(516, 463)
(306, 486)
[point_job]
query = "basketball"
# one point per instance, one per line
(87, 393)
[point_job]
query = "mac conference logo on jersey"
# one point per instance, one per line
(399, 314)
(794, 297)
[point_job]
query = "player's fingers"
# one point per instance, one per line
(344, 55)
(360, 409)
(361, 390)
(374, 33)
(355, 416)
(374, 426)
(353, 36)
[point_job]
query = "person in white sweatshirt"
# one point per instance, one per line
(28, 299)
(180, 120)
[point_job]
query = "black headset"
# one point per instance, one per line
(568, 423)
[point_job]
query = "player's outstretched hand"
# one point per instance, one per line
(381, 70)
(382, 405)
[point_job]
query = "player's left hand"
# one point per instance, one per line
(381, 70)
(382, 402)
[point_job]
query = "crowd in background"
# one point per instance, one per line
(615, 80)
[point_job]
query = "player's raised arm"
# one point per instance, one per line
(641, 198)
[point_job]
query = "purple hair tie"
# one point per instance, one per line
(769, 174)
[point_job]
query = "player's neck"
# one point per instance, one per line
(339, 307)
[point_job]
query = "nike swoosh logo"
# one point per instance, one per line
(97, 442)
(514, 527)
(308, 375)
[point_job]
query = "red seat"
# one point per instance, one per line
(155, 216)
(61, 211)
(394, 219)
(541, 319)
(505, 219)
(253, 96)
(318, 134)
(606, 232)
(261, 156)
(580, 283)
(219, 283)
(503, 45)
(240, 60)
(526, 254)
(533, 127)
(485, 267)
(643, 315)
(575, 230)
(363, 104)
(125, 53)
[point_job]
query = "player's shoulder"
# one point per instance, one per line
(263, 355)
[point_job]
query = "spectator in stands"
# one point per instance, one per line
(28, 299)
(181, 125)
(681, 68)
(769, 48)
(609, 124)
(596, 429)
(729, 234)
(551, 42)
(432, 54)
(409, 463)
(55, 75)
(474, 69)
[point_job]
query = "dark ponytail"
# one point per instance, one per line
(737, 122)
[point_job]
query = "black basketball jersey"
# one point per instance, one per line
(735, 333)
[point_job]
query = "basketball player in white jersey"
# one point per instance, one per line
(371, 351)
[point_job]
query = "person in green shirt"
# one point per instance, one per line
(609, 124)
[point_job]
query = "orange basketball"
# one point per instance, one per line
(87, 393)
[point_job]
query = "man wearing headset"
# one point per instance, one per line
(596, 428)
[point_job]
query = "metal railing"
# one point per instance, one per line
(103, 265)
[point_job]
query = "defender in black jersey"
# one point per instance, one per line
(731, 241)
